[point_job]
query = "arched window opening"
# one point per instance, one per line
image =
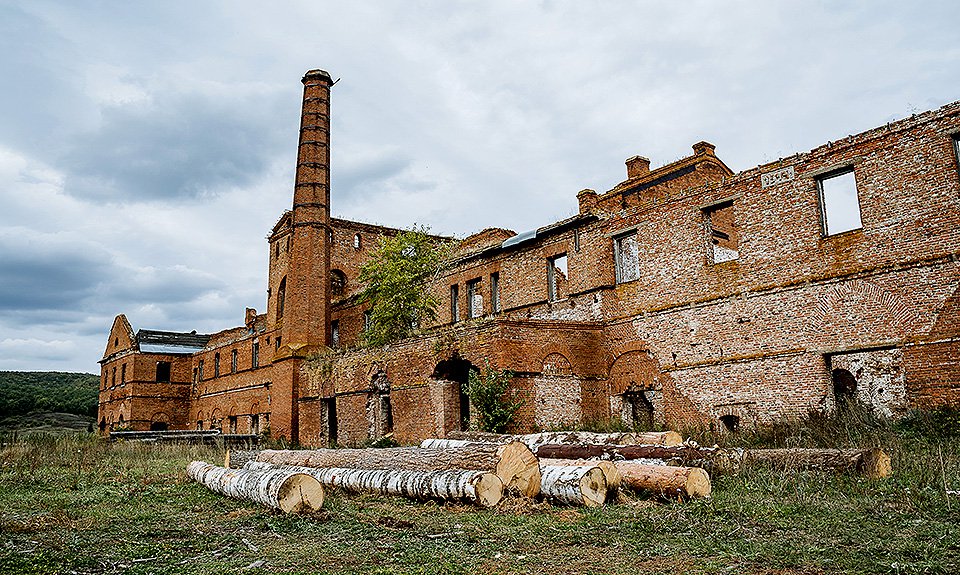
(357, 241)
(730, 422)
(281, 295)
(338, 283)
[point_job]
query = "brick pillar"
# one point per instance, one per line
(306, 309)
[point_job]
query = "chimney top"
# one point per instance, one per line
(637, 166)
(317, 75)
(703, 148)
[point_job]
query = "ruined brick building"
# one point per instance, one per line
(685, 294)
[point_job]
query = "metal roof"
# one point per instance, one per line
(519, 238)
(152, 341)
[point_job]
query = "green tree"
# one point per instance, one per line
(397, 279)
(490, 396)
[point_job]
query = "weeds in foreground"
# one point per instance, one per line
(76, 504)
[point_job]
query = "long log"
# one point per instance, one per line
(513, 463)
(534, 440)
(610, 472)
(573, 485)
(873, 463)
(287, 490)
(235, 458)
(665, 481)
(480, 487)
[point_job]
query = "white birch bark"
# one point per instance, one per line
(573, 485)
(474, 486)
(285, 489)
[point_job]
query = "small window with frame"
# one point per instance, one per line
(626, 257)
(839, 202)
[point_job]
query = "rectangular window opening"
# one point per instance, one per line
(233, 361)
(495, 292)
(163, 371)
(557, 277)
(723, 235)
(454, 303)
(626, 258)
(335, 333)
(255, 355)
(474, 299)
(839, 202)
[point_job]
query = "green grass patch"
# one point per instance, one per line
(75, 504)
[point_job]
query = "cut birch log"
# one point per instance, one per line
(610, 472)
(534, 440)
(665, 481)
(573, 485)
(873, 463)
(480, 487)
(713, 459)
(284, 489)
(513, 463)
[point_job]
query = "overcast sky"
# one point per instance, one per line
(147, 148)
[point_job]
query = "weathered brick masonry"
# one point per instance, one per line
(687, 294)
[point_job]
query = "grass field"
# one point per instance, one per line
(73, 504)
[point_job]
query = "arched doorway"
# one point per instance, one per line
(844, 387)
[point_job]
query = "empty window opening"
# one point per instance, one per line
(232, 423)
(730, 423)
(277, 342)
(233, 361)
(163, 371)
(357, 241)
(103, 424)
(216, 364)
(839, 202)
(159, 426)
(199, 425)
(255, 423)
(123, 374)
(723, 236)
(255, 354)
(576, 240)
(335, 333)
(844, 387)
(200, 370)
(338, 283)
(956, 148)
(454, 303)
(637, 411)
(626, 257)
(457, 370)
(281, 295)
(495, 292)
(113, 377)
(331, 422)
(557, 277)
(474, 299)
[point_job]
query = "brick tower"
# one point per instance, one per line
(307, 289)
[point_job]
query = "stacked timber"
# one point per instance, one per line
(285, 489)
(665, 481)
(535, 440)
(479, 487)
(514, 463)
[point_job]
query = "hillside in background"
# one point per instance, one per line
(24, 392)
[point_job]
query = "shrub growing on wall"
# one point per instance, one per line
(490, 397)
(397, 279)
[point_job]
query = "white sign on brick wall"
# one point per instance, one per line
(776, 177)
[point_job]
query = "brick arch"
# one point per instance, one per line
(255, 408)
(847, 312)
(233, 410)
(556, 364)
(159, 417)
(633, 370)
(947, 323)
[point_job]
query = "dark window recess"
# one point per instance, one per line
(495, 292)
(163, 371)
(233, 361)
(723, 239)
(338, 283)
(255, 355)
(200, 370)
(277, 342)
(335, 333)
(454, 303)
(216, 365)
(474, 299)
(281, 295)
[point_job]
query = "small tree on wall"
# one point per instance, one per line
(397, 279)
(489, 395)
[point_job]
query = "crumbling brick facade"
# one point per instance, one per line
(688, 294)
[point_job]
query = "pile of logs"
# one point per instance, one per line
(569, 468)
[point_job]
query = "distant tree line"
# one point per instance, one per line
(22, 392)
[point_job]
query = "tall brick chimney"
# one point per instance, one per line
(637, 166)
(307, 293)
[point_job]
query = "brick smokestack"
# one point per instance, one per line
(307, 296)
